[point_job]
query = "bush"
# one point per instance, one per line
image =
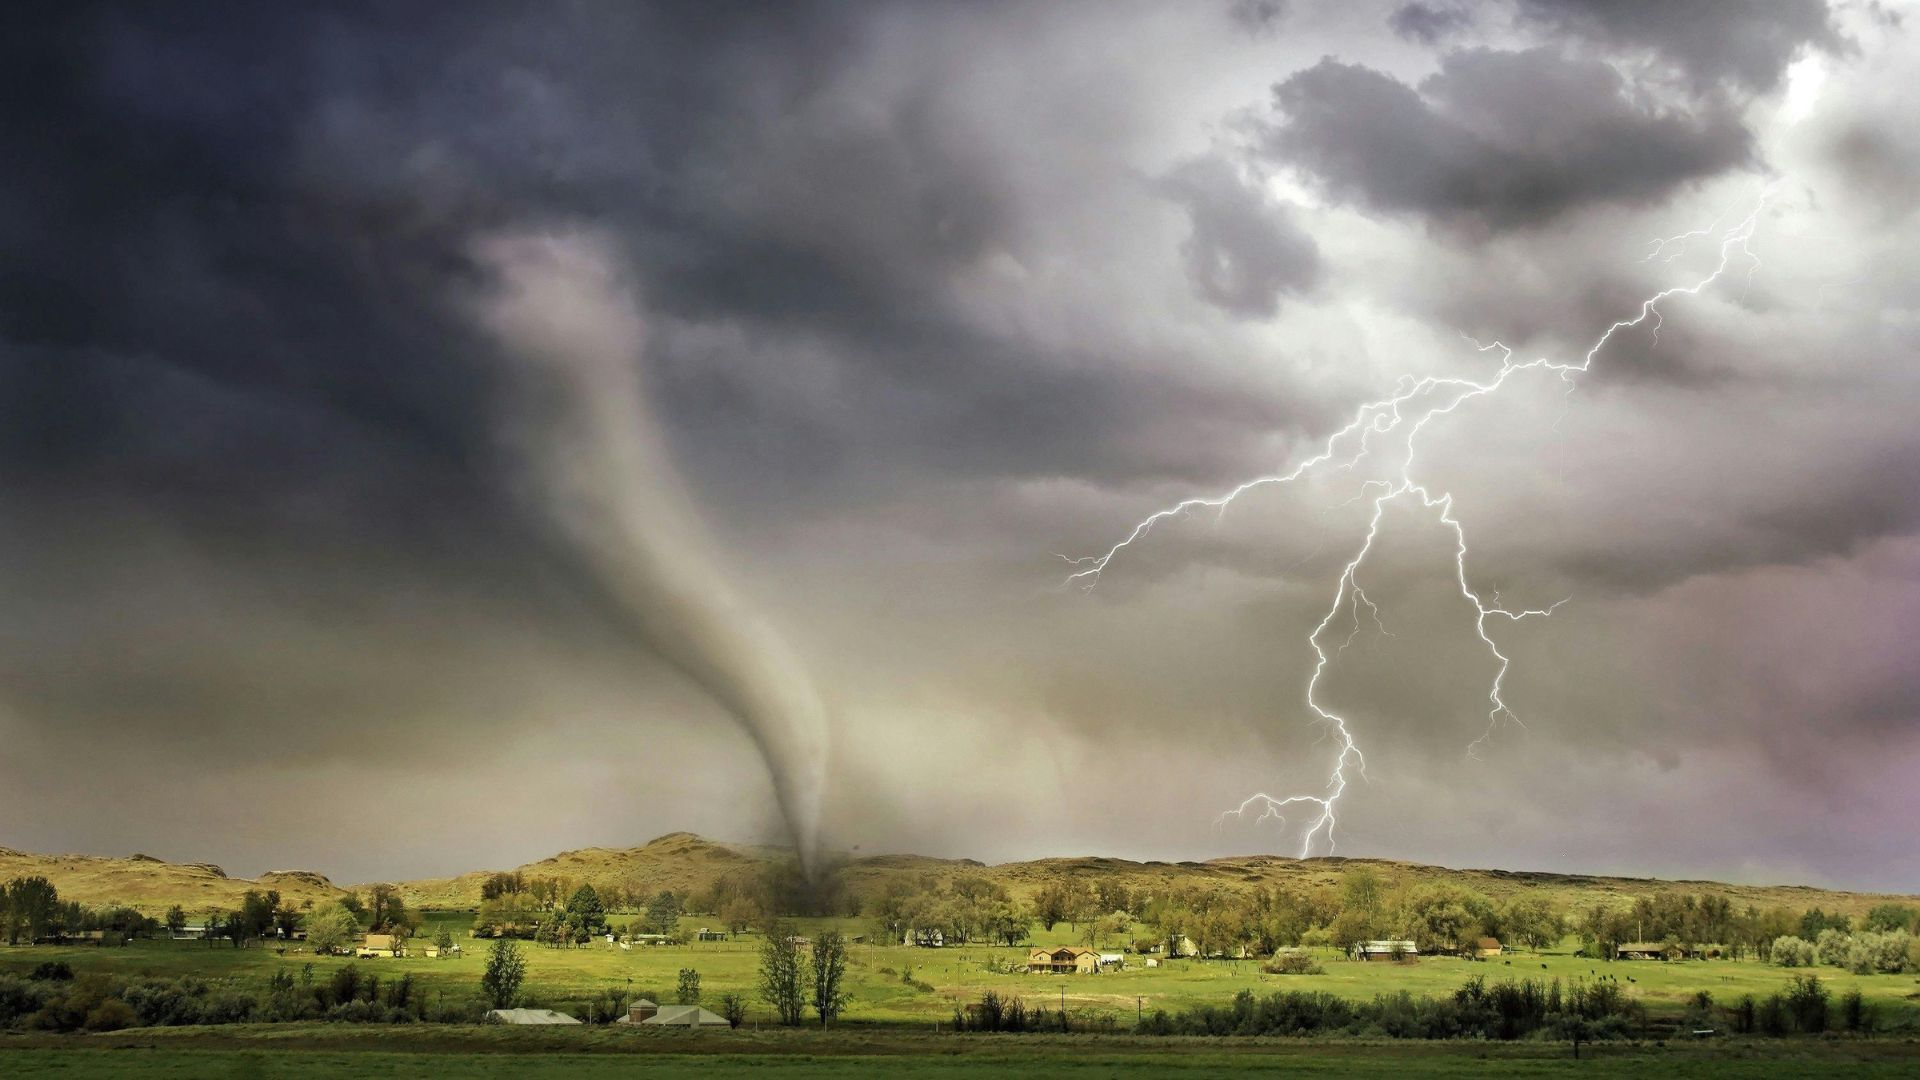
(52, 971)
(111, 1015)
(1790, 951)
(1872, 953)
(1292, 962)
(1855, 1014)
(1807, 1003)
(1832, 945)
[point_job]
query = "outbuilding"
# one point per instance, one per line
(692, 1016)
(531, 1016)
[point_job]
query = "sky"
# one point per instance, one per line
(436, 437)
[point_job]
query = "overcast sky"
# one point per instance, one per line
(902, 302)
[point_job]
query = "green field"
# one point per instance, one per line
(881, 995)
(311, 1051)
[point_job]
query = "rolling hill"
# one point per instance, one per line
(684, 862)
(153, 885)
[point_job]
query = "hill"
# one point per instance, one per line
(686, 863)
(153, 885)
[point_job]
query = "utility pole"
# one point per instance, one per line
(1139, 1010)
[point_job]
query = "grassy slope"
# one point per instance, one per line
(154, 885)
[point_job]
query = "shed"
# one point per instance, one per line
(1384, 950)
(531, 1016)
(685, 1016)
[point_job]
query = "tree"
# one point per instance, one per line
(734, 1008)
(176, 919)
(663, 913)
(1886, 917)
(443, 941)
(829, 972)
(255, 916)
(386, 912)
(1362, 890)
(331, 928)
(506, 969)
(739, 914)
(780, 984)
(687, 990)
(1050, 904)
(1531, 920)
(587, 911)
(33, 904)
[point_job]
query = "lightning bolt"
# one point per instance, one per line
(1400, 418)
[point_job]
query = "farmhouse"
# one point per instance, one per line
(531, 1016)
(381, 945)
(1065, 960)
(1384, 950)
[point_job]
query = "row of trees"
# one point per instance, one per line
(31, 910)
(1864, 952)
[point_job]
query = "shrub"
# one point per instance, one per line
(1807, 1003)
(1292, 962)
(111, 1015)
(1832, 945)
(1855, 1014)
(1790, 951)
(1870, 953)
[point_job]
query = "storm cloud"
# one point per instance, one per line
(933, 295)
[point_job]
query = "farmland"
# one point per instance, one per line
(900, 985)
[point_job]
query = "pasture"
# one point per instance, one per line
(903, 986)
(302, 1051)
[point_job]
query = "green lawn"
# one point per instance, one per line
(303, 1051)
(557, 977)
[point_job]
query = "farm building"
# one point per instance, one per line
(705, 934)
(685, 1016)
(639, 1011)
(1486, 947)
(531, 1016)
(381, 945)
(1384, 950)
(1065, 960)
(926, 939)
(1112, 961)
(1649, 950)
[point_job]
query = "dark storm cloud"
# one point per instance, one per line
(929, 293)
(1429, 24)
(1497, 139)
(1244, 250)
(1748, 45)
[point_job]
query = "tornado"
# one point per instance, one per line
(595, 467)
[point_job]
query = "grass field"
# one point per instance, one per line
(881, 994)
(298, 1051)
